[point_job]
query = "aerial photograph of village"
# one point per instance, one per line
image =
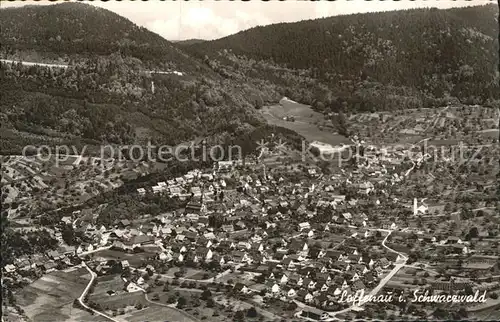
(234, 165)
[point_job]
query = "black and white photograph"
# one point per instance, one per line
(250, 161)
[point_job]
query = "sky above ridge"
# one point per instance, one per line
(212, 19)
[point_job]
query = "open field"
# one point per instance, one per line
(118, 297)
(50, 297)
(200, 275)
(199, 311)
(308, 123)
(192, 273)
(84, 316)
(156, 313)
(234, 304)
(70, 314)
(118, 301)
(172, 291)
(105, 284)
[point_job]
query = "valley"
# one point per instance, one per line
(305, 121)
(263, 176)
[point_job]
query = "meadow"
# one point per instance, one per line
(157, 313)
(308, 123)
(51, 297)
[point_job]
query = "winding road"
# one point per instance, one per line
(81, 299)
(65, 66)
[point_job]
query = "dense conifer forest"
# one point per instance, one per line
(376, 61)
(364, 62)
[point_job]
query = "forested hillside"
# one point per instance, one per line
(189, 42)
(388, 60)
(391, 60)
(70, 30)
(107, 93)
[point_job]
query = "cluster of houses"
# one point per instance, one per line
(37, 264)
(192, 184)
(304, 235)
(247, 221)
(319, 276)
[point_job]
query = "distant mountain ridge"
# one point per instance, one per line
(437, 53)
(189, 42)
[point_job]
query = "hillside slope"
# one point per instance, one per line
(76, 30)
(188, 42)
(420, 52)
(107, 94)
